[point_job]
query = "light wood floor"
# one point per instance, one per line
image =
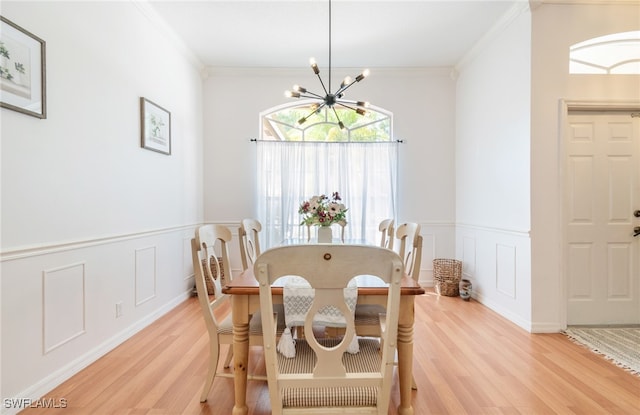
(468, 360)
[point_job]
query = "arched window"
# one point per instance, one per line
(297, 161)
(281, 124)
(617, 53)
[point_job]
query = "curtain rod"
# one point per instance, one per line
(337, 142)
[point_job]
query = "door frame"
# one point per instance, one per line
(566, 106)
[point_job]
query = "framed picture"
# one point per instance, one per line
(22, 70)
(156, 127)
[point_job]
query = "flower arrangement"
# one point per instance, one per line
(323, 210)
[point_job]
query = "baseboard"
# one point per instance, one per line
(50, 382)
(503, 312)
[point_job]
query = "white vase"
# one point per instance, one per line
(325, 236)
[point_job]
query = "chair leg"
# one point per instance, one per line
(214, 355)
(227, 360)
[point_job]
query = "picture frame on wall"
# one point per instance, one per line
(155, 127)
(22, 70)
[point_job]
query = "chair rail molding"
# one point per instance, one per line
(52, 248)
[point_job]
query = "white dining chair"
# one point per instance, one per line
(370, 318)
(367, 315)
(207, 266)
(323, 378)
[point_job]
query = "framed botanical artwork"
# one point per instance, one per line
(22, 70)
(155, 127)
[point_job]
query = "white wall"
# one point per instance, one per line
(555, 29)
(423, 103)
(101, 57)
(492, 168)
(89, 218)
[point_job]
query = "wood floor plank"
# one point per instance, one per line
(468, 360)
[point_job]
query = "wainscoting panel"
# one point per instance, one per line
(145, 274)
(428, 254)
(468, 257)
(63, 305)
(438, 241)
(506, 270)
(498, 264)
(187, 262)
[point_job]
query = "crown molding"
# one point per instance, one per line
(519, 8)
(265, 72)
(500, 26)
(537, 3)
(167, 31)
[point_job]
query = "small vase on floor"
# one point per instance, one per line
(465, 289)
(325, 236)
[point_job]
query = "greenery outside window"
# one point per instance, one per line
(281, 124)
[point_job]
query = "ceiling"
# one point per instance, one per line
(285, 33)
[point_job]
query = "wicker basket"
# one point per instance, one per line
(446, 274)
(207, 280)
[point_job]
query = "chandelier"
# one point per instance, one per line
(330, 99)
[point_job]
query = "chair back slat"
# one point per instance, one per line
(249, 237)
(212, 238)
(387, 233)
(410, 248)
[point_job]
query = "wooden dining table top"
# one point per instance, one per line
(246, 284)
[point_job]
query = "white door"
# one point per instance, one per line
(602, 193)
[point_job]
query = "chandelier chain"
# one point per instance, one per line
(329, 46)
(330, 99)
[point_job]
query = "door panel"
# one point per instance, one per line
(602, 183)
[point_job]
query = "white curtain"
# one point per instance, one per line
(364, 174)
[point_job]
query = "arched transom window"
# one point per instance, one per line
(617, 53)
(281, 124)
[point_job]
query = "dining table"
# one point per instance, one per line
(245, 300)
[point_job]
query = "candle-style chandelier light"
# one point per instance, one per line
(330, 99)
